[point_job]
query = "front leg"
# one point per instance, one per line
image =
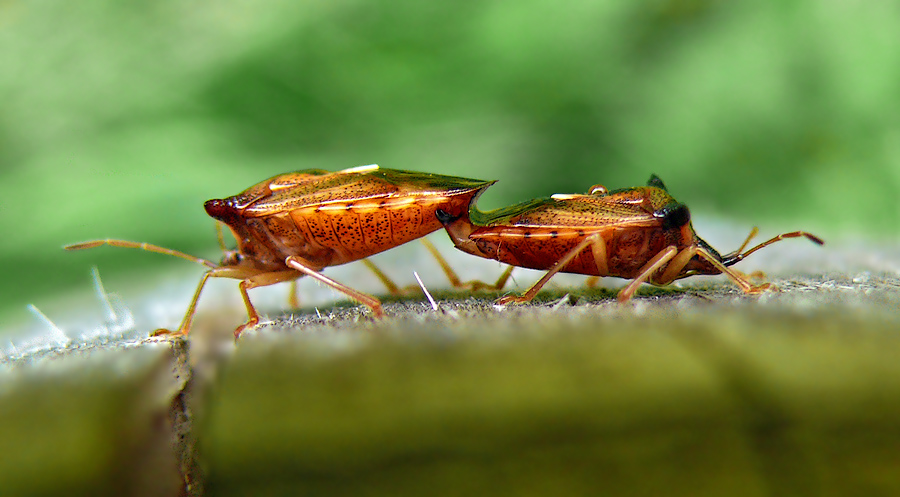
(263, 279)
(740, 279)
(676, 264)
(219, 272)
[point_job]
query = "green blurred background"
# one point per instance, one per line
(118, 119)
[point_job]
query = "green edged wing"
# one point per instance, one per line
(315, 188)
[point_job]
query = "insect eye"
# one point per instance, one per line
(232, 258)
(673, 215)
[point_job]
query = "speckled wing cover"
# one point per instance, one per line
(628, 207)
(315, 188)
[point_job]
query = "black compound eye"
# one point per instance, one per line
(232, 258)
(673, 215)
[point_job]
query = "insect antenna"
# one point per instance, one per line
(737, 256)
(740, 249)
(142, 246)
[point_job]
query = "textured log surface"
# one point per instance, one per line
(693, 391)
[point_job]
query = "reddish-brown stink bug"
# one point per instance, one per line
(299, 223)
(641, 234)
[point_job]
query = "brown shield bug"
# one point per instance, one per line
(299, 223)
(641, 234)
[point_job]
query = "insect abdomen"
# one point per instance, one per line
(626, 250)
(535, 248)
(359, 229)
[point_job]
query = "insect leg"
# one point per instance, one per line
(262, 279)
(599, 250)
(740, 279)
(756, 275)
(293, 301)
(557, 266)
(307, 269)
(185, 326)
(673, 269)
(474, 285)
(392, 287)
(647, 271)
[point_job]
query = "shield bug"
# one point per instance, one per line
(299, 223)
(641, 234)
